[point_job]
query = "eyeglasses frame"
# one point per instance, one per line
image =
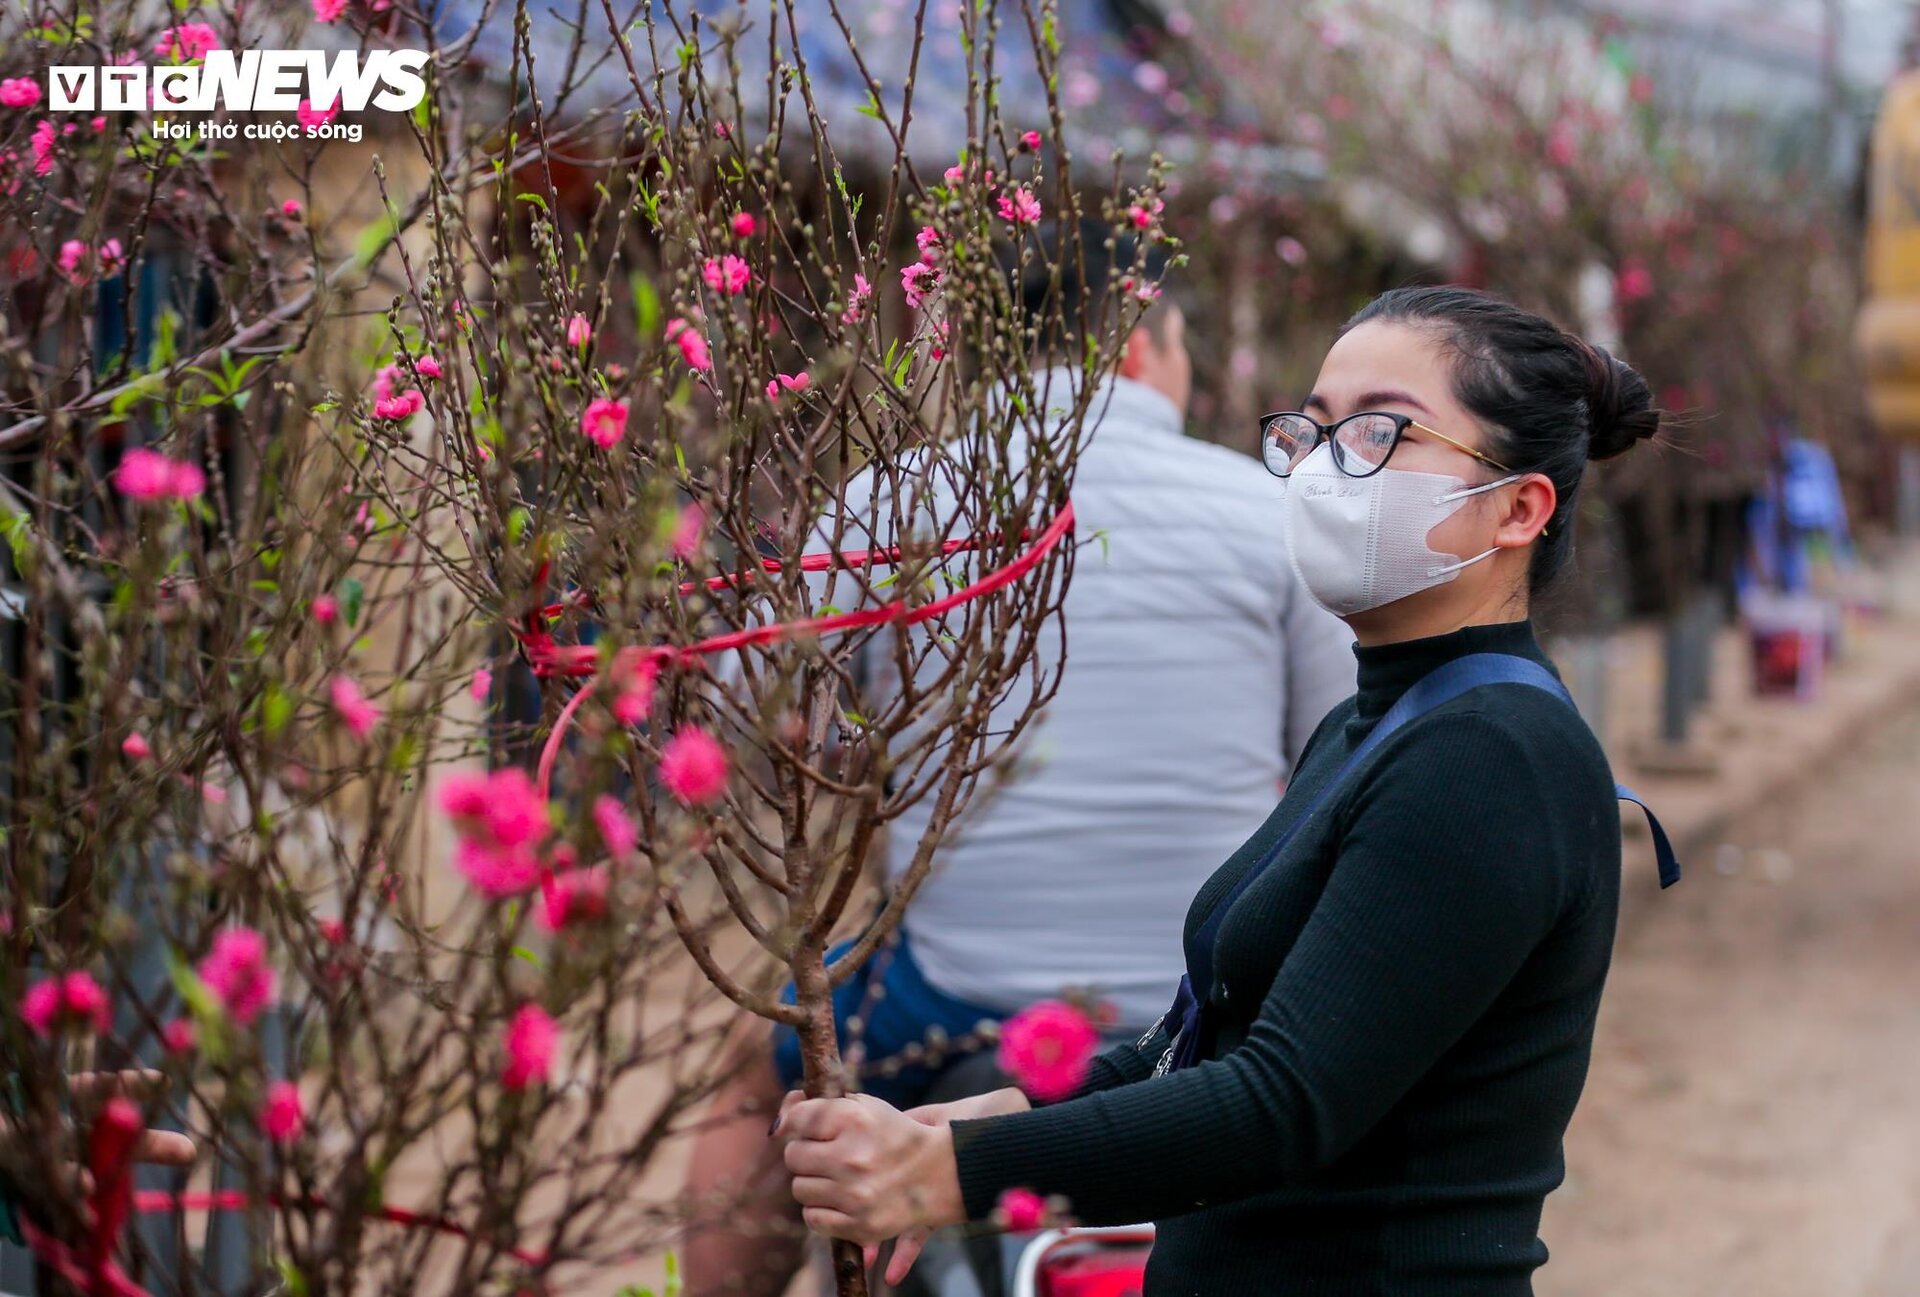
(1326, 431)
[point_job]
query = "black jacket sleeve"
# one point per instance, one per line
(1440, 891)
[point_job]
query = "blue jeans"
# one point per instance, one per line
(901, 1017)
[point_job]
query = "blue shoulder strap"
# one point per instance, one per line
(1442, 684)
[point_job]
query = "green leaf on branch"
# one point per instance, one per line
(871, 108)
(521, 952)
(646, 305)
(517, 524)
(353, 594)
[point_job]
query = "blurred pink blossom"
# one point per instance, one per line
(354, 710)
(179, 1036)
(19, 92)
(236, 971)
(693, 766)
(43, 147)
(744, 225)
(73, 998)
(428, 367)
(283, 1116)
(579, 331)
(290, 208)
(1046, 1048)
(482, 685)
(1031, 141)
(530, 1039)
(928, 241)
(496, 870)
(503, 808)
(328, 11)
(143, 474)
(691, 524)
(857, 300)
(779, 383)
(312, 116)
(692, 344)
(135, 747)
(326, 609)
(1023, 1209)
(579, 896)
(604, 421)
(615, 826)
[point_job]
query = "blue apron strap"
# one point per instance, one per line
(1662, 848)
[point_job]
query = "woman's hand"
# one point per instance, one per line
(863, 1170)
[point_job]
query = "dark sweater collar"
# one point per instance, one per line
(1389, 670)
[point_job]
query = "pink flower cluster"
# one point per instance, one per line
(604, 421)
(328, 11)
(74, 998)
(501, 819)
(530, 1040)
(779, 383)
(729, 274)
(579, 331)
(1143, 215)
(634, 673)
(143, 474)
(75, 255)
(857, 300)
(1020, 207)
(236, 971)
(615, 826)
(355, 712)
(920, 281)
(1022, 1210)
(388, 404)
(744, 225)
(690, 527)
(692, 344)
(693, 767)
(282, 1115)
(19, 92)
(1046, 1049)
(311, 115)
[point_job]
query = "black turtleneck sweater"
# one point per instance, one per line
(1402, 1010)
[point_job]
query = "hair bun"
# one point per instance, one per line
(1620, 408)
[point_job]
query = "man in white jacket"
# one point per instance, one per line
(1197, 667)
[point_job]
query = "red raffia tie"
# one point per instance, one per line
(582, 660)
(92, 1268)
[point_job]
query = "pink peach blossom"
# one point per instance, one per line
(40, 1006)
(135, 747)
(290, 209)
(428, 367)
(402, 406)
(615, 826)
(604, 421)
(19, 92)
(728, 274)
(928, 241)
(283, 1116)
(691, 524)
(744, 225)
(1020, 207)
(110, 255)
(143, 474)
(236, 971)
(1635, 281)
(955, 174)
(1046, 1049)
(496, 870)
(482, 685)
(799, 382)
(693, 346)
(1023, 1209)
(312, 116)
(579, 896)
(354, 710)
(530, 1039)
(693, 766)
(579, 331)
(328, 11)
(1031, 141)
(857, 300)
(43, 146)
(919, 280)
(179, 1036)
(72, 254)
(502, 808)
(326, 609)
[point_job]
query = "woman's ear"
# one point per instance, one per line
(1528, 512)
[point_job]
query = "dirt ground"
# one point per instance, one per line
(1751, 1126)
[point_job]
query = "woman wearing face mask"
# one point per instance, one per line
(1392, 986)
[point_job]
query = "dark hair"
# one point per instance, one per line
(1091, 272)
(1550, 400)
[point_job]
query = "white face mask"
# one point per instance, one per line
(1360, 543)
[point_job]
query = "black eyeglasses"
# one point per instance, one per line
(1362, 443)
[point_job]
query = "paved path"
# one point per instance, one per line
(1751, 1126)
